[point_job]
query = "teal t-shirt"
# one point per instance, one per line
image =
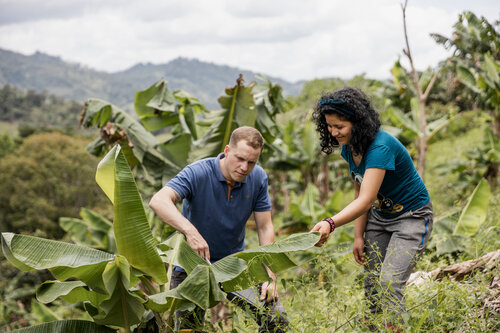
(402, 189)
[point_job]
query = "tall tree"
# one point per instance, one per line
(422, 96)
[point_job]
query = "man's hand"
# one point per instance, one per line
(269, 291)
(323, 228)
(358, 249)
(198, 243)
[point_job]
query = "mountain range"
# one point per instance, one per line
(42, 72)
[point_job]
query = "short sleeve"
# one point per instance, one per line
(380, 157)
(263, 202)
(184, 182)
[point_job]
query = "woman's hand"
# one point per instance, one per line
(323, 228)
(358, 249)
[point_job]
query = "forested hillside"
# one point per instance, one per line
(41, 72)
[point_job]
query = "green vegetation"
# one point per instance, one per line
(48, 178)
(37, 110)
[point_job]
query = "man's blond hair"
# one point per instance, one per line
(252, 136)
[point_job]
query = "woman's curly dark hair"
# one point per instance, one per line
(365, 120)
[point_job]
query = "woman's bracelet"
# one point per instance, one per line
(330, 221)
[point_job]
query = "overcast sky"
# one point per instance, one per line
(290, 39)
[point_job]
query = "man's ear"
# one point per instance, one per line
(226, 150)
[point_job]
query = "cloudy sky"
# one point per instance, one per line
(291, 39)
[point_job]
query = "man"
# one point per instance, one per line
(219, 195)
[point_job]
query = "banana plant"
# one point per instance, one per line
(107, 283)
(190, 132)
(409, 122)
(92, 230)
(238, 109)
(451, 230)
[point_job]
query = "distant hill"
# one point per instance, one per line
(42, 72)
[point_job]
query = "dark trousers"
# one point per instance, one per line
(269, 316)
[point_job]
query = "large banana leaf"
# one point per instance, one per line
(491, 70)
(67, 326)
(64, 260)
(139, 145)
(467, 77)
(235, 272)
(269, 102)
(70, 291)
(474, 212)
(442, 238)
(134, 238)
(201, 288)
(169, 299)
(238, 110)
(123, 308)
(156, 106)
(273, 256)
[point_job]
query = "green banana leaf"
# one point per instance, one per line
(139, 145)
(70, 291)
(201, 288)
(42, 312)
(134, 238)
(96, 221)
(67, 326)
(92, 230)
(235, 272)
(156, 106)
(177, 149)
(269, 102)
(491, 70)
(184, 256)
(166, 300)
(123, 308)
(238, 110)
(273, 256)
(64, 260)
(467, 77)
(442, 238)
(474, 213)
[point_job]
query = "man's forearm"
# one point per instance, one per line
(163, 204)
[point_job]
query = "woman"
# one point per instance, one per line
(391, 210)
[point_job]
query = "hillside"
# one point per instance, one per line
(42, 72)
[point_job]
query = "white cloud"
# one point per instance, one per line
(291, 39)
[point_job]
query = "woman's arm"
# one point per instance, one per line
(359, 206)
(358, 246)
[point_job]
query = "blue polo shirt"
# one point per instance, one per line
(218, 212)
(402, 189)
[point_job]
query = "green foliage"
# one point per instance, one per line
(451, 231)
(92, 230)
(327, 294)
(7, 145)
(482, 161)
(476, 62)
(105, 282)
(50, 176)
(37, 109)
